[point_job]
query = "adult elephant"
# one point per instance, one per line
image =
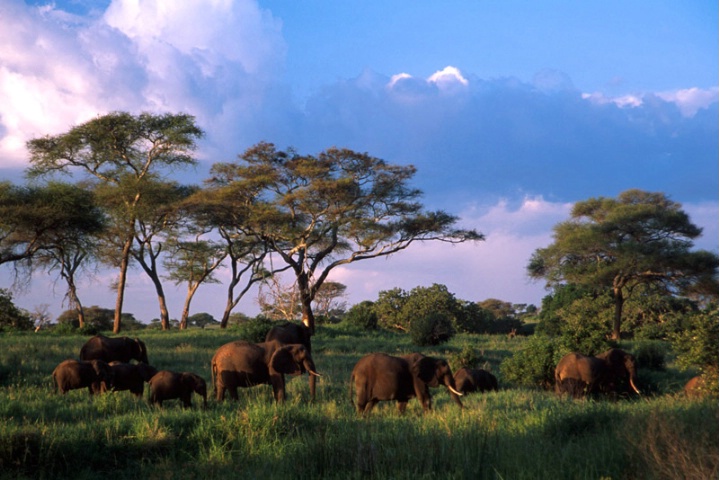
(242, 364)
(168, 385)
(468, 380)
(580, 375)
(378, 377)
(121, 349)
(292, 333)
(131, 376)
(95, 375)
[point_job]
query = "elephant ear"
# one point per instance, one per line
(425, 369)
(283, 361)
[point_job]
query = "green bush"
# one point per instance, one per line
(467, 357)
(362, 316)
(254, 330)
(650, 354)
(431, 329)
(698, 346)
(533, 365)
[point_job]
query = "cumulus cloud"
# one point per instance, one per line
(214, 59)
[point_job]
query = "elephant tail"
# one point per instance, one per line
(213, 372)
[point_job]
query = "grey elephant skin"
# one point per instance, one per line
(168, 385)
(131, 376)
(581, 375)
(292, 333)
(95, 375)
(121, 349)
(469, 380)
(242, 364)
(380, 377)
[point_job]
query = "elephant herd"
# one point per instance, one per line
(104, 365)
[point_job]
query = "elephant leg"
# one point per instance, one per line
(313, 387)
(233, 393)
(369, 406)
(402, 407)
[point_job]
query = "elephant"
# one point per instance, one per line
(72, 374)
(243, 364)
(132, 377)
(167, 385)
(290, 333)
(468, 380)
(121, 349)
(579, 375)
(379, 376)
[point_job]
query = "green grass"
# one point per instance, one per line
(510, 434)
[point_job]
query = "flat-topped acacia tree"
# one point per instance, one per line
(319, 212)
(126, 156)
(639, 238)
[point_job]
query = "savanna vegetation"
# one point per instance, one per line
(621, 273)
(518, 432)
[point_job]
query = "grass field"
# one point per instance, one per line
(511, 434)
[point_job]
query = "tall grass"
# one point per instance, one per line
(510, 434)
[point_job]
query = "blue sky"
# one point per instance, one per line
(510, 110)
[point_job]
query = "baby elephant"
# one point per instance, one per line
(132, 377)
(74, 374)
(167, 385)
(470, 380)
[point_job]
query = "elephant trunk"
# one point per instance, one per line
(449, 383)
(310, 367)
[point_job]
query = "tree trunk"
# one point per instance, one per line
(124, 264)
(186, 308)
(230, 294)
(308, 318)
(78, 306)
(618, 306)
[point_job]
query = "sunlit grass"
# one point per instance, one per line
(513, 433)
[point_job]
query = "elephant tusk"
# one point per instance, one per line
(631, 382)
(314, 373)
(459, 394)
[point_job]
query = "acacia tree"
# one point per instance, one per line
(636, 239)
(157, 218)
(120, 152)
(320, 212)
(221, 208)
(193, 262)
(69, 248)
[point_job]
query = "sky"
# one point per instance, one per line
(511, 111)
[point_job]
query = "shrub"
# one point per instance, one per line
(468, 357)
(698, 346)
(533, 365)
(254, 330)
(431, 329)
(362, 316)
(650, 354)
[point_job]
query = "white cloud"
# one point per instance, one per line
(215, 59)
(691, 100)
(449, 77)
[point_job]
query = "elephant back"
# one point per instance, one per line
(237, 356)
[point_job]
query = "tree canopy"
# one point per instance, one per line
(319, 212)
(126, 156)
(639, 238)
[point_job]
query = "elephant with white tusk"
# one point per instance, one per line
(378, 377)
(580, 375)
